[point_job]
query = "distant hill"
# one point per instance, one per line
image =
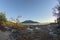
(30, 21)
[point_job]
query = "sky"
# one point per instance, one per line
(37, 10)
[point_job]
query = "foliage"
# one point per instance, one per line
(2, 21)
(57, 13)
(2, 17)
(12, 24)
(5, 23)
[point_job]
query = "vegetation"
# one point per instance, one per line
(57, 14)
(4, 22)
(2, 17)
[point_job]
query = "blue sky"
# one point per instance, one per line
(37, 10)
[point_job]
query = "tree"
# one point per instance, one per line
(57, 14)
(3, 17)
(2, 20)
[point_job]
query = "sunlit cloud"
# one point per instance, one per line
(48, 20)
